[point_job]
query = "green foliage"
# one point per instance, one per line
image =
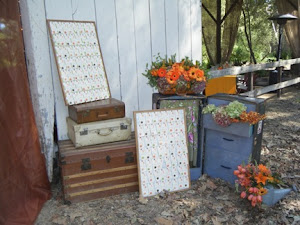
(263, 36)
(210, 108)
(234, 109)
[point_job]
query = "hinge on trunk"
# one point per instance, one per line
(129, 158)
(86, 164)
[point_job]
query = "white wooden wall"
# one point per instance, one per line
(130, 32)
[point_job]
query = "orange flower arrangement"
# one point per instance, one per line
(253, 179)
(169, 75)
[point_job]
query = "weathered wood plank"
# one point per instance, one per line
(269, 88)
(252, 68)
(171, 8)
(39, 74)
(59, 10)
(158, 29)
(107, 31)
(83, 10)
(185, 40)
(196, 29)
(127, 54)
(143, 51)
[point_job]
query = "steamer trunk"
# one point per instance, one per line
(96, 111)
(97, 171)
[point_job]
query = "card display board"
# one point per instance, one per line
(79, 61)
(162, 151)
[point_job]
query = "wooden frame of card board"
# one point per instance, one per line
(171, 156)
(83, 85)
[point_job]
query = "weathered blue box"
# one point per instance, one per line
(227, 147)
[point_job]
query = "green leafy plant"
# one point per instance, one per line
(234, 112)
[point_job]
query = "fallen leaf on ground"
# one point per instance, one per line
(163, 221)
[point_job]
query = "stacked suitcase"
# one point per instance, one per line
(99, 160)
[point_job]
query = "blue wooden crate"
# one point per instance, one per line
(240, 129)
(227, 147)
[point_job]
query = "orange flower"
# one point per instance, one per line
(234, 120)
(161, 72)
(200, 75)
(264, 169)
(178, 66)
(262, 191)
(186, 76)
(170, 80)
(175, 74)
(192, 73)
(260, 178)
(154, 72)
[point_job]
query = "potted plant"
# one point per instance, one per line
(232, 118)
(171, 77)
(259, 185)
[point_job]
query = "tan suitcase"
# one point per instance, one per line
(99, 132)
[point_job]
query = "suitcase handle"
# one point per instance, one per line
(102, 115)
(110, 130)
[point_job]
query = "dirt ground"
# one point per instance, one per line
(209, 201)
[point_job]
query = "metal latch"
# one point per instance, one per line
(86, 113)
(123, 126)
(84, 132)
(86, 164)
(129, 158)
(117, 109)
(108, 159)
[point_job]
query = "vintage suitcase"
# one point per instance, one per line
(99, 132)
(96, 111)
(97, 171)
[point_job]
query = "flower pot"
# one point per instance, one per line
(174, 92)
(274, 195)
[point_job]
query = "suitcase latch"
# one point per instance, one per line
(84, 132)
(86, 113)
(117, 109)
(123, 126)
(129, 158)
(86, 164)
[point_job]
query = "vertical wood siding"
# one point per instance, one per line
(130, 32)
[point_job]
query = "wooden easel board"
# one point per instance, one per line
(79, 61)
(162, 152)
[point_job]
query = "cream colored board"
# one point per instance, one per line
(79, 61)
(162, 152)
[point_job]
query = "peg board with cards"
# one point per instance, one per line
(79, 61)
(162, 151)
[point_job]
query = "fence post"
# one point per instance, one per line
(279, 78)
(251, 81)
